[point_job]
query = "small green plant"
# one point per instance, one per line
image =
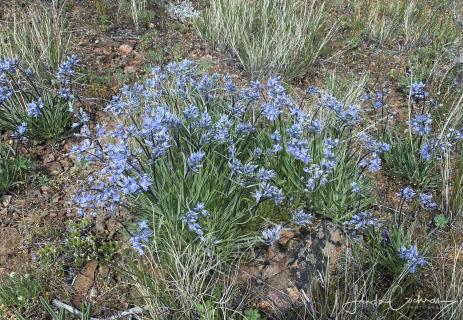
(19, 292)
(80, 246)
(14, 168)
(252, 314)
(405, 162)
(441, 221)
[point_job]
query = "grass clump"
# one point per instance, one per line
(39, 37)
(268, 37)
(14, 169)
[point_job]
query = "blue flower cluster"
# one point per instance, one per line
(271, 235)
(407, 194)
(372, 160)
(140, 240)
(191, 219)
(65, 74)
(427, 200)
(421, 124)
(362, 221)
(418, 91)
(413, 258)
(301, 218)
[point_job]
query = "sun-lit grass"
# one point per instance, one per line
(39, 36)
(269, 37)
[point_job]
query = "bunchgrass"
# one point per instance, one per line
(268, 37)
(39, 36)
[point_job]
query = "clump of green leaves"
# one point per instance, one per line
(19, 292)
(404, 161)
(14, 168)
(81, 245)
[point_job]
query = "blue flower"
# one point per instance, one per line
(418, 92)
(373, 163)
(271, 111)
(355, 187)
(244, 128)
(407, 194)
(140, 240)
(5, 90)
(413, 258)
(222, 129)
(264, 175)
(9, 65)
(191, 219)
(373, 145)
(426, 199)
(299, 149)
(191, 113)
(267, 191)
(312, 90)
(34, 108)
(230, 85)
(362, 221)
(21, 130)
(421, 123)
(195, 160)
(301, 218)
(271, 235)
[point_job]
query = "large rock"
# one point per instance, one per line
(280, 276)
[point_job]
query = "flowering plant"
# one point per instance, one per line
(197, 157)
(31, 110)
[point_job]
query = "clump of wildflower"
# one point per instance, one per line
(195, 160)
(362, 221)
(418, 91)
(413, 258)
(301, 218)
(406, 193)
(271, 235)
(427, 200)
(191, 219)
(140, 240)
